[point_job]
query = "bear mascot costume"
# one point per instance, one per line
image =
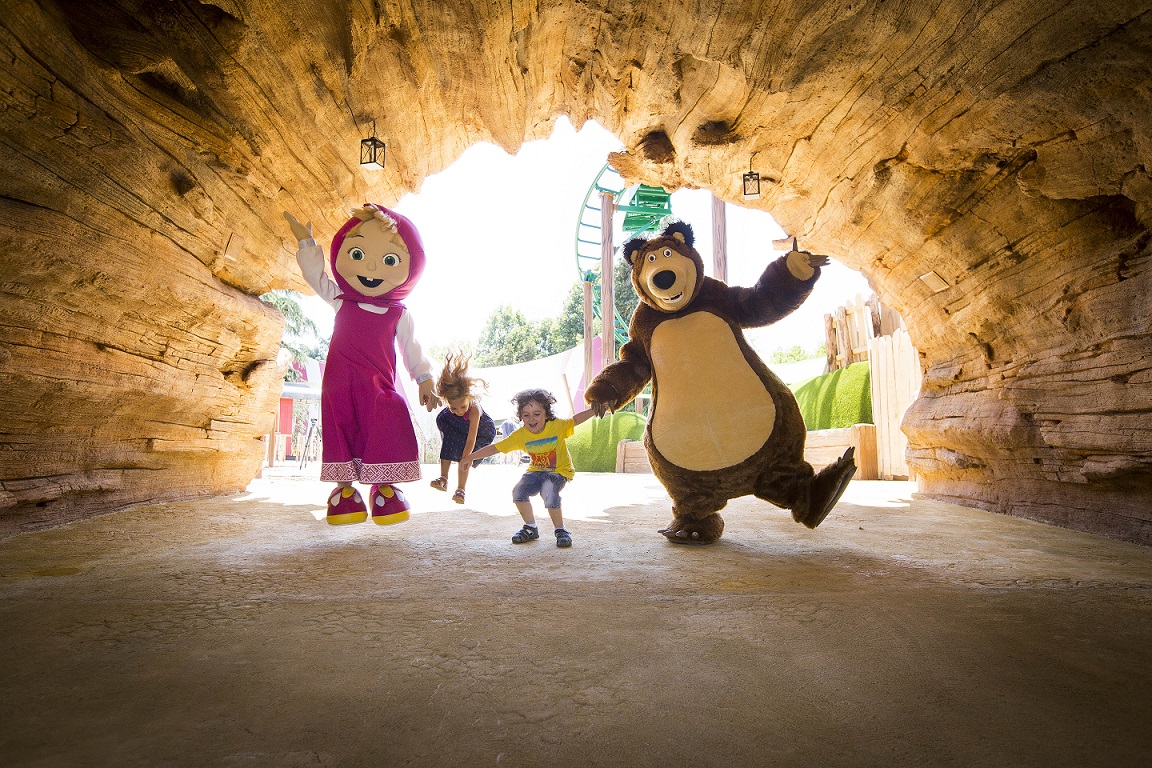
(722, 425)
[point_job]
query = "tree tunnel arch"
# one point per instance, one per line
(150, 151)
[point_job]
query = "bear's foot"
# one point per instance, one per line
(688, 530)
(826, 489)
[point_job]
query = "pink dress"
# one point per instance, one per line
(365, 422)
(368, 435)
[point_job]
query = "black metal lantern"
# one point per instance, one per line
(372, 151)
(751, 184)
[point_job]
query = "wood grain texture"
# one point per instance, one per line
(1003, 145)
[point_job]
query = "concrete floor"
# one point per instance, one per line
(244, 631)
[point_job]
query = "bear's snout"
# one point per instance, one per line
(664, 279)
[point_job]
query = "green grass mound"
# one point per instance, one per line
(838, 399)
(593, 445)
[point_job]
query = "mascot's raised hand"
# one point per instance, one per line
(803, 264)
(301, 232)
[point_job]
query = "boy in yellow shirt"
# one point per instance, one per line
(543, 437)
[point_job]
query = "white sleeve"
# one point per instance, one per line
(418, 365)
(311, 261)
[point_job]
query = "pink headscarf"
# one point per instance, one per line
(407, 231)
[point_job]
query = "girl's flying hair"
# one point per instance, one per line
(454, 382)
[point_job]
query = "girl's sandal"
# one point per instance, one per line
(440, 484)
(458, 497)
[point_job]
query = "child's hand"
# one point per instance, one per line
(299, 231)
(802, 264)
(428, 397)
(482, 453)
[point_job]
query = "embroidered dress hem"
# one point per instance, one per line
(375, 474)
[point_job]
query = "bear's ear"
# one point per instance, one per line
(680, 231)
(633, 248)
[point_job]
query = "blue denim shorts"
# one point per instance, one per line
(547, 484)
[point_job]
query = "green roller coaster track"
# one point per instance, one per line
(642, 208)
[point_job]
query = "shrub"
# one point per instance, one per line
(593, 445)
(838, 399)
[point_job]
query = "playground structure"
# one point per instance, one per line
(609, 202)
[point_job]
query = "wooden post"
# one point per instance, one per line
(829, 344)
(273, 436)
(719, 239)
(568, 393)
(607, 281)
(589, 361)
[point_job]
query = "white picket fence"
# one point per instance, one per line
(848, 330)
(865, 329)
(895, 372)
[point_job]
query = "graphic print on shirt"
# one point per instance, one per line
(543, 453)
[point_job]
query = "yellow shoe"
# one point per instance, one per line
(345, 506)
(388, 505)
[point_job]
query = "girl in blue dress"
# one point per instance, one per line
(463, 425)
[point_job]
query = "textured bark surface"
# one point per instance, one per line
(148, 149)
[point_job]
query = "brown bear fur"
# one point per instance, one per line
(711, 413)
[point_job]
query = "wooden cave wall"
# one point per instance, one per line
(148, 149)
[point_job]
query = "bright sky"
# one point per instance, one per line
(501, 230)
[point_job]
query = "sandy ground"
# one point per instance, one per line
(244, 631)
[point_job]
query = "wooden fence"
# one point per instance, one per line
(868, 330)
(848, 330)
(824, 446)
(895, 371)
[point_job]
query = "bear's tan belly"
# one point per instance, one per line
(712, 410)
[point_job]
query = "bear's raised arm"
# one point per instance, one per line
(777, 294)
(619, 383)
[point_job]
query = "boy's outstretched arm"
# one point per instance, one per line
(483, 453)
(583, 416)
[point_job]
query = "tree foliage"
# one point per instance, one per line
(795, 354)
(302, 340)
(623, 294)
(509, 338)
(568, 329)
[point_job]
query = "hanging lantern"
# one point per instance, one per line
(751, 184)
(372, 151)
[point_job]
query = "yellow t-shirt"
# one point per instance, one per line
(547, 448)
